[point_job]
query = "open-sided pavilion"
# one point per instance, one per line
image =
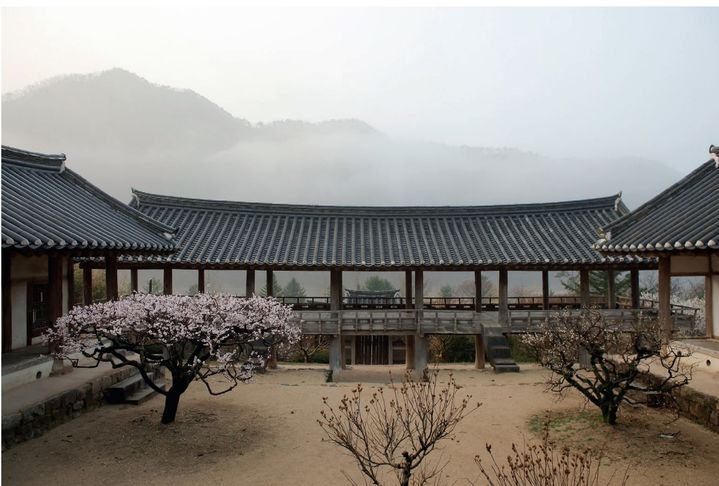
(258, 237)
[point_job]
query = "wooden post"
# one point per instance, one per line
(337, 344)
(418, 292)
(201, 280)
(167, 280)
(87, 285)
(503, 297)
(479, 358)
(709, 304)
(665, 306)
(611, 290)
(408, 289)
(584, 288)
(70, 283)
(545, 289)
(409, 352)
(133, 280)
(54, 289)
(54, 302)
(111, 276)
(270, 283)
(6, 301)
(634, 279)
(478, 291)
(250, 283)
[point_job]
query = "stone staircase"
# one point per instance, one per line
(134, 390)
(498, 352)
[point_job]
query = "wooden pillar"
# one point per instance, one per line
(201, 280)
(270, 283)
(337, 344)
(70, 283)
(111, 276)
(335, 290)
(503, 296)
(54, 288)
(545, 289)
(408, 289)
(584, 288)
(634, 283)
(409, 353)
(6, 301)
(611, 290)
(133, 280)
(167, 280)
(250, 283)
(665, 307)
(709, 305)
(418, 292)
(478, 291)
(479, 358)
(87, 285)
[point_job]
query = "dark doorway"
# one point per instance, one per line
(37, 310)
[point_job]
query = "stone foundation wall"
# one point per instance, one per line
(34, 420)
(694, 405)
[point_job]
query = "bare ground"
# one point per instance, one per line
(266, 433)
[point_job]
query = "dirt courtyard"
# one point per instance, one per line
(266, 433)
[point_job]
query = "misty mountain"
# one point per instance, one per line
(121, 131)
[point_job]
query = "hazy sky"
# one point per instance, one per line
(561, 82)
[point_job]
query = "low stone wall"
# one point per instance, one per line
(34, 420)
(694, 405)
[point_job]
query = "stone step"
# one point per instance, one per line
(505, 365)
(122, 391)
(144, 394)
(497, 352)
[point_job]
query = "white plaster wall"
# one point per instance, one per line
(18, 296)
(23, 270)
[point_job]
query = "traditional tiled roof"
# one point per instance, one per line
(684, 217)
(242, 235)
(47, 206)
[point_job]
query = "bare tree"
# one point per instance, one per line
(544, 465)
(394, 430)
(311, 345)
(603, 358)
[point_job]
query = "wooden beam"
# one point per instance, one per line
(408, 289)
(87, 285)
(249, 283)
(6, 301)
(270, 285)
(167, 280)
(133, 280)
(478, 291)
(70, 283)
(479, 358)
(503, 296)
(111, 276)
(634, 279)
(201, 280)
(665, 308)
(584, 287)
(611, 290)
(545, 289)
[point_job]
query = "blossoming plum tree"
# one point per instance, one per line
(604, 358)
(195, 337)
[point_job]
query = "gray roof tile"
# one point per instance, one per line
(47, 206)
(243, 234)
(683, 217)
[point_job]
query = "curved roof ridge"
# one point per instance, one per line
(656, 201)
(36, 160)
(145, 198)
